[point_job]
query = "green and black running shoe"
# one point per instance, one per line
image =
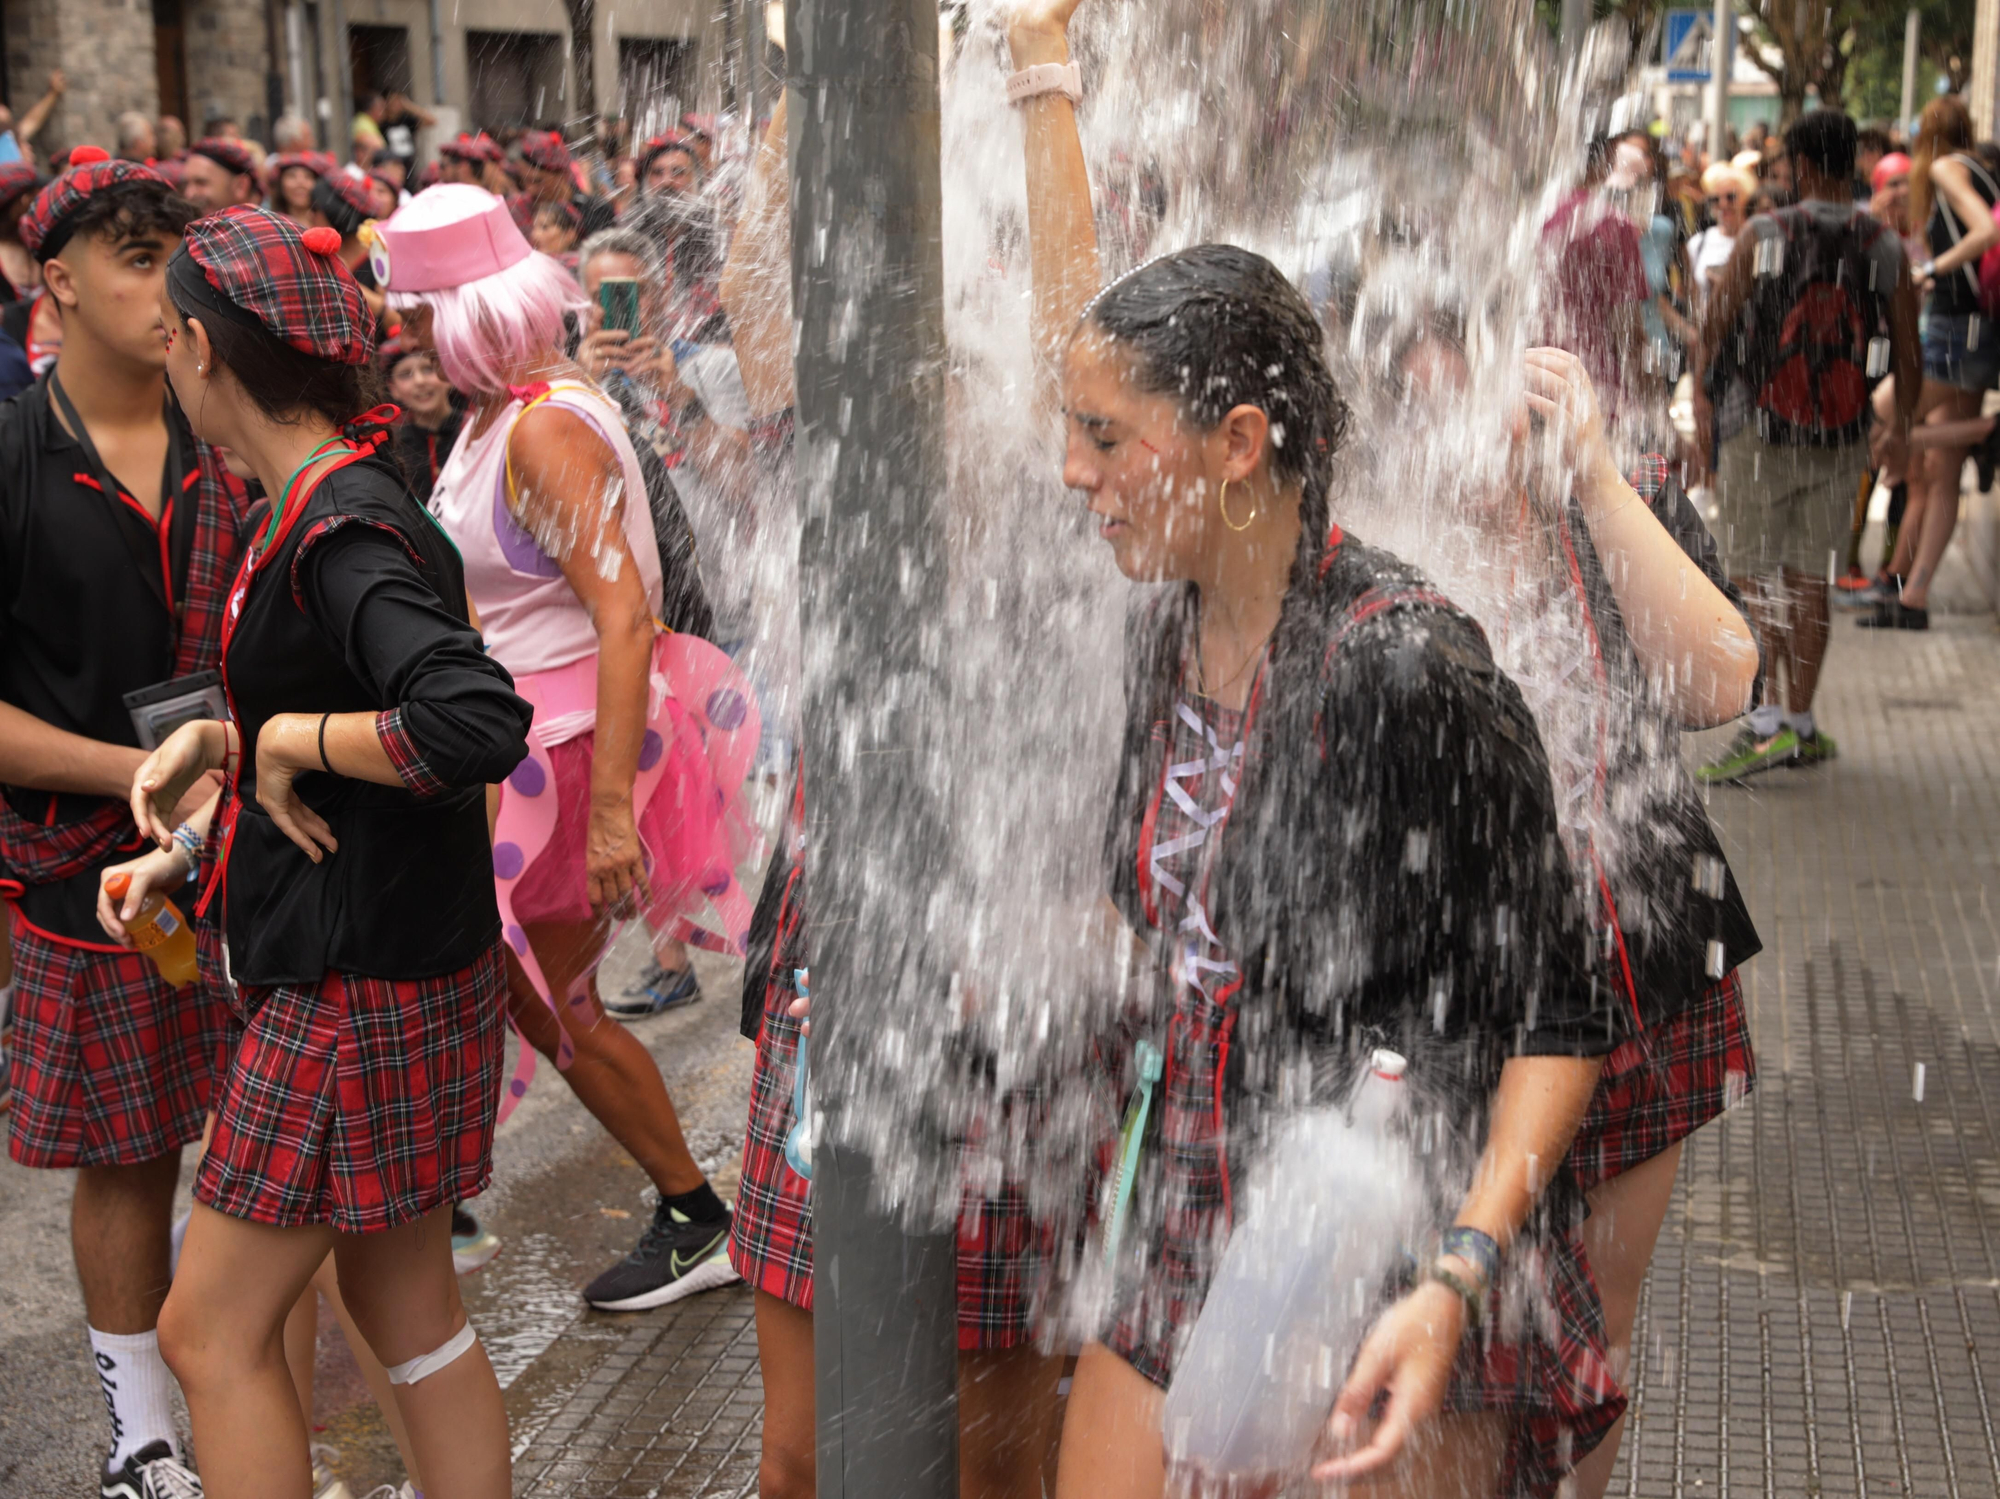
(1816, 747)
(676, 1257)
(1749, 755)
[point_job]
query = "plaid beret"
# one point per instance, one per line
(316, 162)
(257, 264)
(45, 227)
(545, 149)
(345, 201)
(16, 178)
(673, 140)
(480, 147)
(227, 154)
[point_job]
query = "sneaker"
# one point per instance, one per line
(326, 1485)
(1871, 594)
(1816, 747)
(1749, 755)
(656, 991)
(676, 1257)
(153, 1472)
(473, 1245)
(1894, 614)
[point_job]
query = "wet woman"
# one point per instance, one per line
(544, 497)
(1334, 829)
(361, 938)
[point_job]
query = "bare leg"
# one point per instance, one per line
(1006, 1421)
(612, 1073)
(1806, 607)
(1625, 1218)
(403, 1294)
(786, 1468)
(1941, 474)
(1764, 598)
(119, 1221)
(301, 1344)
(326, 1282)
(222, 1333)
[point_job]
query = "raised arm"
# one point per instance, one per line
(29, 125)
(1062, 232)
(756, 286)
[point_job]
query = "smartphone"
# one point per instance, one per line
(619, 297)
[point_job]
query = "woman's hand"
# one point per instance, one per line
(614, 861)
(1037, 24)
(1558, 390)
(609, 349)
(166, 776)
(162, 869)
(288, 745)
(1408, 1355)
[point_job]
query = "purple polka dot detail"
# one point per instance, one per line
(650, 749)
(518, 1088)
(517, 939)
(726, 708)
(529, 778)
(715, 882)
(508, 860)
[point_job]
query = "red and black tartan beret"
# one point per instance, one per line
(16, 178)
(345, 201)
(545, 149)
(317, 162)
(673, 140)
(227, 154)
(480, 147)
(294, 284)
(45, 227)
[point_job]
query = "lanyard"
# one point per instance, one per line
(291, 491)
(171, 559)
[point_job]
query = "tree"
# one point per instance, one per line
(1813, 40)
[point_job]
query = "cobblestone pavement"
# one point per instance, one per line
(1824, 1311)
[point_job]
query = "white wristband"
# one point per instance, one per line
(1064, 78)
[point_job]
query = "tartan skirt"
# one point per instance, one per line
(359, 1103)
(1003, 1254)
(1666, 1083)
(1538, 1356)
(111, 1065)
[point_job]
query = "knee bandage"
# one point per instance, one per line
(425, 1364)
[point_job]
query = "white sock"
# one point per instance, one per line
(1802, 723)
(136, 1383)
(1766, 719)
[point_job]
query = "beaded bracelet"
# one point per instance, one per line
(1451, 1280)
(189, 840)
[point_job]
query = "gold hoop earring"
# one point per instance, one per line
(1222, 504)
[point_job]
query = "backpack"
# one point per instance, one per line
(1812, 339)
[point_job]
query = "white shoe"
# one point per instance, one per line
(325, 1484)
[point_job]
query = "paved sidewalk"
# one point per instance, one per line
(1824, 1311)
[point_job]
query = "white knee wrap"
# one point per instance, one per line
(429, 1363)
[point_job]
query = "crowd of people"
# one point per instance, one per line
(390, 577)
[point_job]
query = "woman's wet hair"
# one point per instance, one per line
(1217, 327)
(280, 380)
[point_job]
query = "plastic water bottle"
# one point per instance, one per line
(1321, 1228)
(159, 931)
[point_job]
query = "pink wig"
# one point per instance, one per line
(486, 330)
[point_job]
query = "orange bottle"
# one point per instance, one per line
(159, 931)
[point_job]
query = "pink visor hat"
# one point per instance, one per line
(446, 236)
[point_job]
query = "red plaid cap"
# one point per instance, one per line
(44, 227)
(480, 147)
(672, 140)
(316, 162)
(545, 149)
(343, 190)
(227, 154)
(16, 178)
(303, 294)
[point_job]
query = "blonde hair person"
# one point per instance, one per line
(1728, 191)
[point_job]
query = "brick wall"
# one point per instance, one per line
(106, 48)
(225, 60)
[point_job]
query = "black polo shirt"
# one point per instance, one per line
(92, 587)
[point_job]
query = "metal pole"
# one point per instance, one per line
(1721, 63)
(1912, 33)
(437, 52)
(868, 289)
(1575, 22)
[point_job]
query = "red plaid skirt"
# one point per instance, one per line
(1002, 1253)
(357, 1102)
(111, 1066)
(1666, 1083)
(1539, 1359)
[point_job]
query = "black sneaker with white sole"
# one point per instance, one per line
(153, 1472)
(676, 1257)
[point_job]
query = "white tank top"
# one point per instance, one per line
(531, 618)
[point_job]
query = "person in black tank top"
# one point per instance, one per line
(347, 860)
(1952, 196)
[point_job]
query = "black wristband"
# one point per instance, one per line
(323, 765)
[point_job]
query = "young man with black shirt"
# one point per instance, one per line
(118, 534)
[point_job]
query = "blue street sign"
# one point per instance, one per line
(1686, 45)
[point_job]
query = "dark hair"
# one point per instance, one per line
(385, 158)
(1874, 138)
(129, 208)
(1824, 139)
(281, 380)
(1218, 327)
